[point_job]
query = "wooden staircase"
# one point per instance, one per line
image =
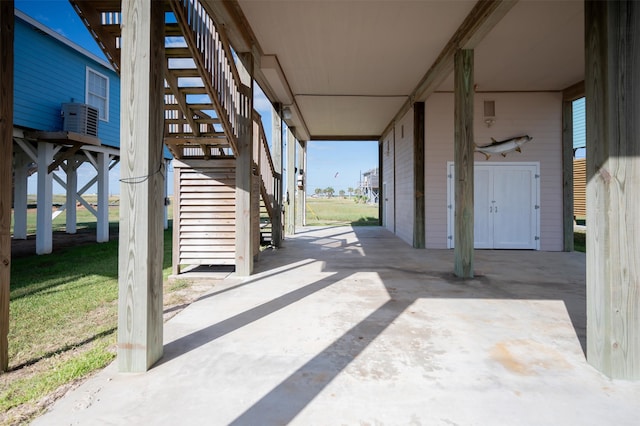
(205, 104)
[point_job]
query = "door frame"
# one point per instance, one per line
(451, 196)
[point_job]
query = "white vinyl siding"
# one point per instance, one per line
(404, 178)
(97, 92)
(537, 114)
(388, 183)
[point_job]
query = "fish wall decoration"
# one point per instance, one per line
(503, 147)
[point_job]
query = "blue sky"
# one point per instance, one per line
(329, 163)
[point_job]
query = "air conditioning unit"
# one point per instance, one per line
(80, 118)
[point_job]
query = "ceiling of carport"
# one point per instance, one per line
(537, 46)
(351, 64)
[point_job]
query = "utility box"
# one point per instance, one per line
(80, 118)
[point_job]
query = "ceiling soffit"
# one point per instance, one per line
(346, 65)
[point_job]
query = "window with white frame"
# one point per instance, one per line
(97, 93)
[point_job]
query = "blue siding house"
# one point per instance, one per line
(50, 70)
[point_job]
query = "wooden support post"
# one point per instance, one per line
(381, 192)
(244, 176)
(72, 191)
(276, 143)
(244, 236)
(44, 229)
(463, 163)
(304, 189)
(102, 232)
(395, 188)
(612, 37)
(165, 212)
(301, 177)
(567, 174)
(418, 176)
(6, 157)
(290, 209)
(21, 171)
(142, 173)
(175, 232)
(245, 229)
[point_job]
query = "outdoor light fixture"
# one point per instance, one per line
(489, 113)
(286, 113)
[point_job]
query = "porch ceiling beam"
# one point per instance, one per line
(228, 14)
(574, 92)
(478, 23)
(345, 138)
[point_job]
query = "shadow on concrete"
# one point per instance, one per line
(408, 275)
(301, 387)
(201, 337)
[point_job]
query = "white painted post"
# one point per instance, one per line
(20, 195)
(72, 190)
(44, 229)
(102, 232)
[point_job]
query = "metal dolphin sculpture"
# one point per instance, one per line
(503, 147)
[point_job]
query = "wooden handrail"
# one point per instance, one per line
(212, 56)
(269, 178)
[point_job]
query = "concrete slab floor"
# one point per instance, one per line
(353, 326)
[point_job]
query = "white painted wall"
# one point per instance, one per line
(404, 178)
(536, 114)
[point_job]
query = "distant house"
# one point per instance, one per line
(52, 75)
(369, 185)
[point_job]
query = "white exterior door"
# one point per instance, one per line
(505, 205)
(483, 219)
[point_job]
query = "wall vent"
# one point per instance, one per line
(80, 118)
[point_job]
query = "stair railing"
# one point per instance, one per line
(269, 178)
(211, 52)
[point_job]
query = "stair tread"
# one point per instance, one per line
(184, 72)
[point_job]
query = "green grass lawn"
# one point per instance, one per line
(579, 242)
(340, 211)
(63, 309)
(84, 218)
(63, 316)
